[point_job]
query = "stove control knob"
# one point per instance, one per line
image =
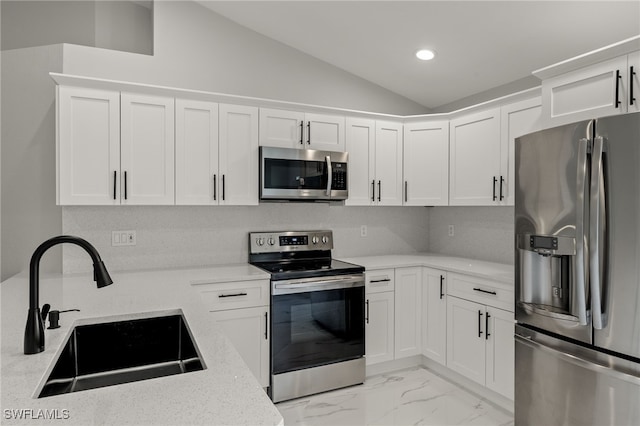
(325, 239)
(271, 241)
(260, 241)
(315, 239)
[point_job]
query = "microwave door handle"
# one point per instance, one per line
(597, 226)
(580, 271)
(330, 173)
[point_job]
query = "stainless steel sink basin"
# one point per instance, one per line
(112, 353)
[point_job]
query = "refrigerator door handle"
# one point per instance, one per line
(580, 271)
(598, 228)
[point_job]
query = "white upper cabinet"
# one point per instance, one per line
(88, 139)
(594, 91)
(475, 159)
(387, 187)
(292, 129)
(196, 152)
(147, 149)
(517, 120)
(360, 144)
(426, 164)
(238, 164)
(634, 81)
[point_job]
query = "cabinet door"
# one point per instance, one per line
(360, 144)
(475, 159)
(586, 93)
(147, 144)
(88, 146)
(388, 170)
(634, 82)
(325, 132)
(517, 120)
(281, 128)
(500, 351)
(379, 327)
(426, 164)
(465, 338)
(196, 152)
(248, 330)
(238, 155)
(434, 315)
(408, 302)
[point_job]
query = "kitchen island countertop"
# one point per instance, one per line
(225, 393)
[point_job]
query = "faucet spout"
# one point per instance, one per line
(34, 331)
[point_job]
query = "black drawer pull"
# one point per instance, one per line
(382, 280)
(485, 291)
(232, 295)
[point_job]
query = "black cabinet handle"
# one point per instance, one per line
(309, 133)
(223, 189)
(215, 188)
(232, 295)
(379, 189)
(479, 323)
(266, 326)
(501, 185)
(406, 192)
(301, 132)
(618, 77)
(367, 316)
(115, 180)
(494, 188)
(373, 190)
(382, 280)
(125, 185)
(441, 282)
(632, 99)
(486, 326)
(485, 291)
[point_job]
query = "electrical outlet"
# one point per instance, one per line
(451, 231)
(363, 231)
(123, 238)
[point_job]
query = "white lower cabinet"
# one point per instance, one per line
(480, 344)
(434, 315)
(408, 308)
(241, 309)
(248, 330)
(379, 316)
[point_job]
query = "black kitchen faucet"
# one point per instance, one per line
(34, 331)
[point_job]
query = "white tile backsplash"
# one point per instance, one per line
(484, 233)
(183, 236)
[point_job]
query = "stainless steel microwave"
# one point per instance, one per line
(302, 174)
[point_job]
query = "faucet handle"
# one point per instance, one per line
(45, 311)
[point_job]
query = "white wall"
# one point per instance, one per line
(195, 48)
(485, 233)
(180, 236)
(29, 214)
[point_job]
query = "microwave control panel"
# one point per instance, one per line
(339, 176)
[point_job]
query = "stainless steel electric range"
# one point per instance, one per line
(317, 313)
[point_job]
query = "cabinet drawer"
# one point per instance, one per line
(234, 295)
(479, 290)
(380, 280)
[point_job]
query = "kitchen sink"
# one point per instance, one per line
(112, 353)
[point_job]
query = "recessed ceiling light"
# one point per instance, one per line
(425, 54)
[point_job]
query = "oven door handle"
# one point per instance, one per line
(313, 284)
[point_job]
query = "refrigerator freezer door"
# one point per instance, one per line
(620, 247)
(551, 225)
(559, 383)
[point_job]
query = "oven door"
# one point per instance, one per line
(316, 321)
(298, 174)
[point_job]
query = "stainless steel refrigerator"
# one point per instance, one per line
(577, 263)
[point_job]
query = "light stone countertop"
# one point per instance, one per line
(501, 272)
(225, 393)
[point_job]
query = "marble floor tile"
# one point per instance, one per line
(413, 396)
